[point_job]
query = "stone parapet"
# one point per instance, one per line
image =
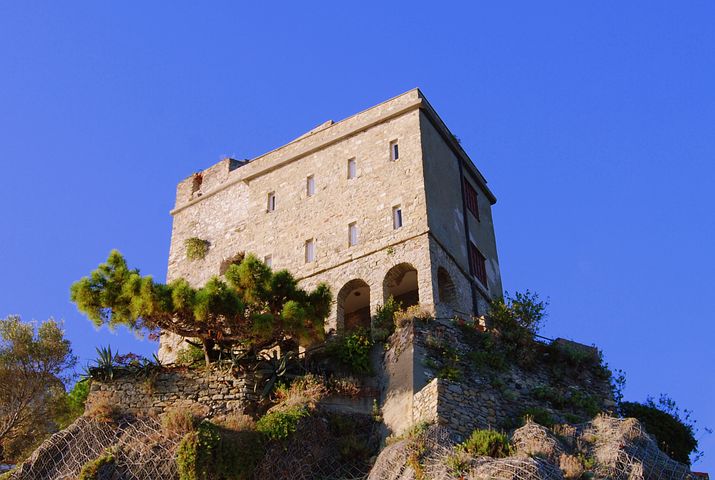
(215, 391)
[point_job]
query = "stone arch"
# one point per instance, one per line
(446, 291)
(401, 282)
(353, 305)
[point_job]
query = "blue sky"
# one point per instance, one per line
(594, 123)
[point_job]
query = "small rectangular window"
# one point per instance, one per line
(310, 186)
(352, 169)
(477, 262)
(470, 195)
(271, 202)
(309, 251)
(396, 217)
(268, 260)
(394, 150)
(352, 234)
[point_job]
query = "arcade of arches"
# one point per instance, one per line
(353, 299)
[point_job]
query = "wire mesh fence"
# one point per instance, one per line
(140, 450)
(618, 449)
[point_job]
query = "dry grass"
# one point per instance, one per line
(344, 386)
(535, 440)
(303, 392)
(103, 411)
(571, 466)
(403, 317)
(237, 422)
(179, 421)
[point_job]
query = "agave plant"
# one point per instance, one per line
(104, 364)
(272, 368)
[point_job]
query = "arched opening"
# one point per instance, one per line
(446, 292)
(354, 305)
(401, 283)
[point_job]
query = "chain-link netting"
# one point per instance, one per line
(140, 449)
(320, 450)
(609, 448)
(624, 450)
(326, 447)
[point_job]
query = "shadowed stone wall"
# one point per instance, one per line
(215, 391)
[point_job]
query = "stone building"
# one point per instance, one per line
(385, 202)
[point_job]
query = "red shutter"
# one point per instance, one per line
(471, 196)
(478, 264)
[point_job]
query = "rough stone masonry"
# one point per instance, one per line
(385, 202)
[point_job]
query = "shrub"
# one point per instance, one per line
(73, 404)
(191, 356)
(458, 463)
(518, 318)
(303, 391)
(384, 319)
(237, 422)
(404, 316)
(486, 443)
(353, 447)
(344, 386)
(92, 469)
(179, 421)
(210, 453)
(571, 466)
(279, 425)
(539, 415)
(444, 359)
(103, 411)
(353, 351)
(583, 402)
(196, 248)
(674, 435)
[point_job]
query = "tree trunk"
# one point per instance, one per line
(208, 347)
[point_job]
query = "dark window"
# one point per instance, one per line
(471, 197)
(396, 217)
(478, 264)
(394, 150)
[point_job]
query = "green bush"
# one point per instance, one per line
(519, 316)
(281, 424)
(384, 319)
(353, 351)
(674, 435)
(486, 443)
(443, 359)
(73, 404)
(583, 402)
(196, 248)
(191, 356)
(92, 469)
(212, 453)
(539, 415)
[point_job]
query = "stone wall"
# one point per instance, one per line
(477, 398)
(215, 391)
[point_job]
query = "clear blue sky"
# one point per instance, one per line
(594, 123)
